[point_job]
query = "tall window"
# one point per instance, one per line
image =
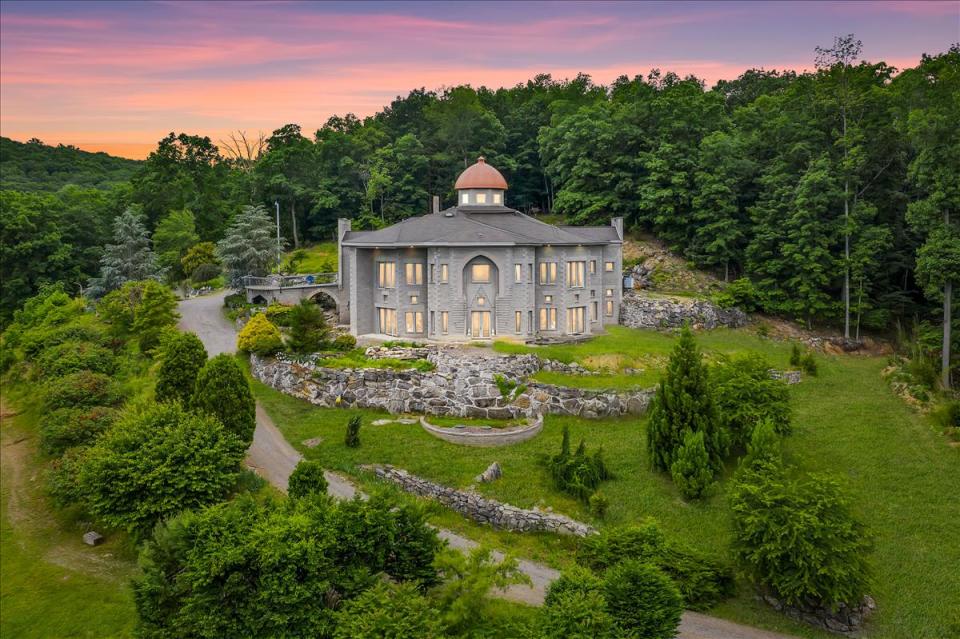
(548, 272)
(481, 198)
(575, 319)
(575, 274)
(548, 319)
(518, 272)
(414, 273)
(518, 322)
(444, 274)
(609, 308)
(386, 274)
(444, 321)
(433, 273)
(480, 273)
(594, 311)
(464, 198)
(388, 321)
(593, 267)
(608, 267)
(414, 321)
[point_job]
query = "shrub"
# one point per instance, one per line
(260, 336)
(739, 293)
(684, 403)
(222, 390)
(62, 478)
(308, 328)
(181, 358)
(745, 395)
(798, 537)
(599, 504)
(344, 342)
(34, 341)
(352, 437)
(578, 474)
(199, 255)
(809, 364)
(764, 445)
(576, 615)
(204, 273)
(307, 479)
(156, 462)
(643, 601)
(574, 581)
(142, 308)
(702, 581)
(691, 470)
(388, 611)
(795, 355)
(235, 301)
(79, 390)
(70, 357)
(947, 414)
(68, 427)
(278, 313)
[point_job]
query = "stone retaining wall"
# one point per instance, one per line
(640, 311)
(845, 620)
(485, 439)
(460, 386)
(483, 509)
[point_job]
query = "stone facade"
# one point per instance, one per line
(483, 509)
(640, 311)
(462, 385)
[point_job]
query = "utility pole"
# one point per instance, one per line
(276, 203)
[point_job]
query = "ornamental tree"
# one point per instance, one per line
(222, 390)
(643, 601)
(249, 247)
(260, 336)
(181, 358)
(129, 258)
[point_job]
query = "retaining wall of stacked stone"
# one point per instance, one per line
(482, 509)
(640, 311)
(459, 386)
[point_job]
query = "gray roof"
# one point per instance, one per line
(478, 225)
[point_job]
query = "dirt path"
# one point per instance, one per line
(274, 458)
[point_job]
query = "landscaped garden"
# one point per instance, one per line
(897, 469)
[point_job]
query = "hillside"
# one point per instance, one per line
(34, 166)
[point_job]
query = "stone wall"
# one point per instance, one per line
(845, 620)
(462, 385)
(641, 311)
(483, 509)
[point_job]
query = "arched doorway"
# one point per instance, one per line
(481, 284)
(329, 305)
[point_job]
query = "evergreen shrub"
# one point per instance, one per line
(578, 474)
(307, 479)
(344, 342)
(691, 468)
(222, 390)
(65, 428)
(352, 436)
(72, 356)
(745, 395)
(260, 336)
(388, 611)
(83, 389)
(308, 328)
(642, 600)
(182, 355)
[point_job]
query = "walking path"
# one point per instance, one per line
(272, 456)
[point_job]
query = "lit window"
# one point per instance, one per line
(548, 319)
(481, 198)
(444, 273)
(443, 321)
(518, 322)
(414, 299)
(481, 301)
(575, 274)
(608, 267)
(609, 308)
(594, 312)
(518, 272)
(496, 200)
(548, 298)
(414, 322)
(388, 321)
(609, 292)
(464, 198)
(386, 274)
(575, 319)
(480, 273)
(414, 273)
(548, 272)
(593, 267)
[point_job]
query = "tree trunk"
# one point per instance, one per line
(859, 308)
(947, 313)
(293, 220)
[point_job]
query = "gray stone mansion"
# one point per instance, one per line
(480, 270)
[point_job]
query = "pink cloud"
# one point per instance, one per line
(45, 22)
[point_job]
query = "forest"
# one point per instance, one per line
(834, 193)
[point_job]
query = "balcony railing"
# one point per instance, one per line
(289, 281)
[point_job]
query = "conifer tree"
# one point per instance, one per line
(183, 355)
(308, 328)
(249, 247)
(129, 258)
(684, 403)
(156, 312)
(222, 390)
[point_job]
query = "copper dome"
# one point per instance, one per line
(481, 176)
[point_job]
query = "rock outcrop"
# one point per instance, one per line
(642, 311)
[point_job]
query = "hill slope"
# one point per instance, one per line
(34, 166)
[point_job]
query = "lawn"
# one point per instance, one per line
(318, 258)
(51, 584)
(899, 471)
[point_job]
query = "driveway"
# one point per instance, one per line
(272, 456)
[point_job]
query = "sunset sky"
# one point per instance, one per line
(118, 76)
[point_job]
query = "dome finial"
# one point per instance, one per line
(481, 160)
(481, 176)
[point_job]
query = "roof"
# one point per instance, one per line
(478, 226)
(481, 176)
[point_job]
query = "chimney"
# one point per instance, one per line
(617, 223)
(435, 204)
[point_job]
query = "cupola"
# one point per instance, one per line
(480, 185)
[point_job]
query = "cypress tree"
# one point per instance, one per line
(684, 403)
(222, 390)
(182, 357)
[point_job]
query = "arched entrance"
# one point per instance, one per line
(329, 305)
(481, 284)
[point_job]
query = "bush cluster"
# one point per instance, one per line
(307, 479)
(222, 390)
(746, 395)
(739, 293)
(578, 474)
(260, 336)
(72, 356)
(83, 389)
(182, 355)
(65, 428)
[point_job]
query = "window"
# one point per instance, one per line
(518, 272)
(548, 272)
(518, 322)
(464, 198)
(481, 301)
(433, 322)
(547, 299)
(386, 274)
(609, 308)
(388, 321)
(480, 273)
(444, 317)
(444, 274)
(594, 312)
(575, 274)
(548, 319)
(593, 267)
(530, 272)
(608, 267)
(609, 292)
(433, 272)
(481, 198)
(593, 292)
(414, 299)
(529, 321)
(414, 273)
(575, 319)
(414, 321)
(496, 198)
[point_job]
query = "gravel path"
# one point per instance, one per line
(272, 456)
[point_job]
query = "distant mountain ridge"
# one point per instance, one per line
(36, 167)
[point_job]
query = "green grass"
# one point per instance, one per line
(357, 358)
(318, 258)
(51, 584)
(900, 472)
(449, 422)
